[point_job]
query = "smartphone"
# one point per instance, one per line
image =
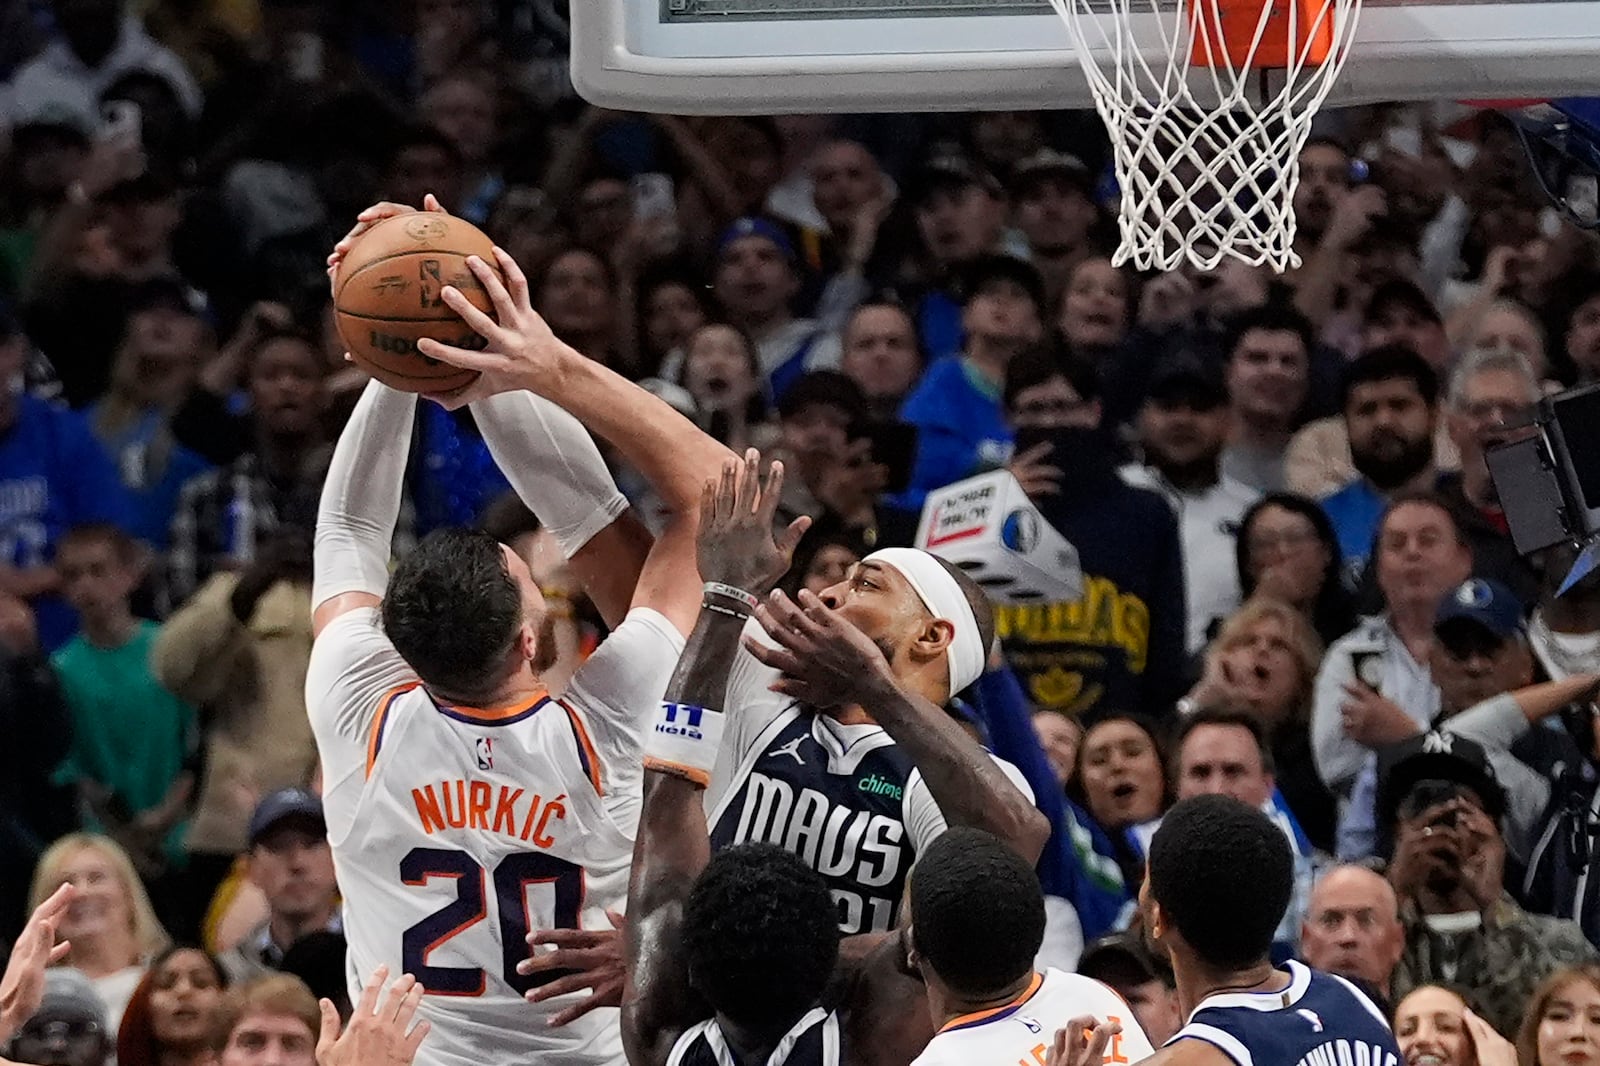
(122, 121)
(1367, 665)
(654, 196)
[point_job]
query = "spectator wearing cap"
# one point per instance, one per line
(1484, 669)
(957, 407)
(1267, 370)
(1183, 427)
(224, 514)
(140, 215)
(1440, 804)
(69, 1028)
(1122, 962)
(1398, 312)
(756, 281)
(1352, 928)
(829, 474)
(54, 475)
(1420, 558)
(960, 213)
(1052, 203)
(289, 861)
(238, 651)
(1391, 407)
(98, 41)
(1491, 399)
(1120, 647)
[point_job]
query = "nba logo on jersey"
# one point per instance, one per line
(1030, 1024)
(1311, 1016)
(484, 746)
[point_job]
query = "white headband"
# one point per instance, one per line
(943, 598)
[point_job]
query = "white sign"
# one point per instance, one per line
(987, 526)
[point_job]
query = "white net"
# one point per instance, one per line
(1205, 144)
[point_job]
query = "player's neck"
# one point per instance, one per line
(850, 714)
(1196, 981)
(751, 1043)
(951, 1006)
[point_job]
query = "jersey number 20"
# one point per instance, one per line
(511, 880)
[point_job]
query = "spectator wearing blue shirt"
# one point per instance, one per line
(960, 211)
(1391, 408)
(53, 475)
(957, 407)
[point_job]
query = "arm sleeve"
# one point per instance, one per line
(1338, 758)
(553, 464)
(361, 496)
(352, 667)
(925, 821)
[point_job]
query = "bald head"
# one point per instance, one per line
(1352, 926)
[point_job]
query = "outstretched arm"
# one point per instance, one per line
(669, 450)
(828, 662)
(360, 505)
(735, 551)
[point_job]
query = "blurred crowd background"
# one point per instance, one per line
(1299, 587)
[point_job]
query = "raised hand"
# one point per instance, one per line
(520, 349)
(824, 659)
(369, 218)
(22, 987)
(1082, 1043)
(735, 544)
(378, 1035)
(595, 960)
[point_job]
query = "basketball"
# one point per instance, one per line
(388, 296)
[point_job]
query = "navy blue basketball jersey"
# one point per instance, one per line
(839, 804)
(814, 1041)
(1319, 1020)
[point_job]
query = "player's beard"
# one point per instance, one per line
(545, 652)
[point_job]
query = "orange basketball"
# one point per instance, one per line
(387, 296)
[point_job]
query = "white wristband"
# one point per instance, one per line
(717, 588)
(684, 741)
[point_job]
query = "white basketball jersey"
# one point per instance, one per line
(457, 830)
(1022, 1031)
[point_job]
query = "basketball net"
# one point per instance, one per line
(1206, 141)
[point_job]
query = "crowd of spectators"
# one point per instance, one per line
(1299, 588)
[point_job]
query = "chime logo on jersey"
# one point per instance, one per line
(484, 748)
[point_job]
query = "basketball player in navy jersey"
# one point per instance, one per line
(1219, 879)
(729, 955)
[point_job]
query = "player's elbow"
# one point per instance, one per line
(1030, 830)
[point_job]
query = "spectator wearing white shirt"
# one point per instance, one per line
(97, 43)
(1183, 427)
(1421, 558)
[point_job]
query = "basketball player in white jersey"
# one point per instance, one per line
(465, 805)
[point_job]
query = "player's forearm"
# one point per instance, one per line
(673, 454)
(963, 779)
(553, 464)
(361, 496)
(673, 847)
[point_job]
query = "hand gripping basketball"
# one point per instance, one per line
(520, 348)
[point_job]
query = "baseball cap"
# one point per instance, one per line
(825, 387)
(283, 805)
(1434, 756)
(69, 995)
(1121, 958)
(1185, 377)
(1049, 163)
(752, 226)
(948, 169)
(990, 270)
(1404, 294)
(1485, 602)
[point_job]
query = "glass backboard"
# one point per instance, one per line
(776, 56)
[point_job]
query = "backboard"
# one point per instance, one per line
(797, 56)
